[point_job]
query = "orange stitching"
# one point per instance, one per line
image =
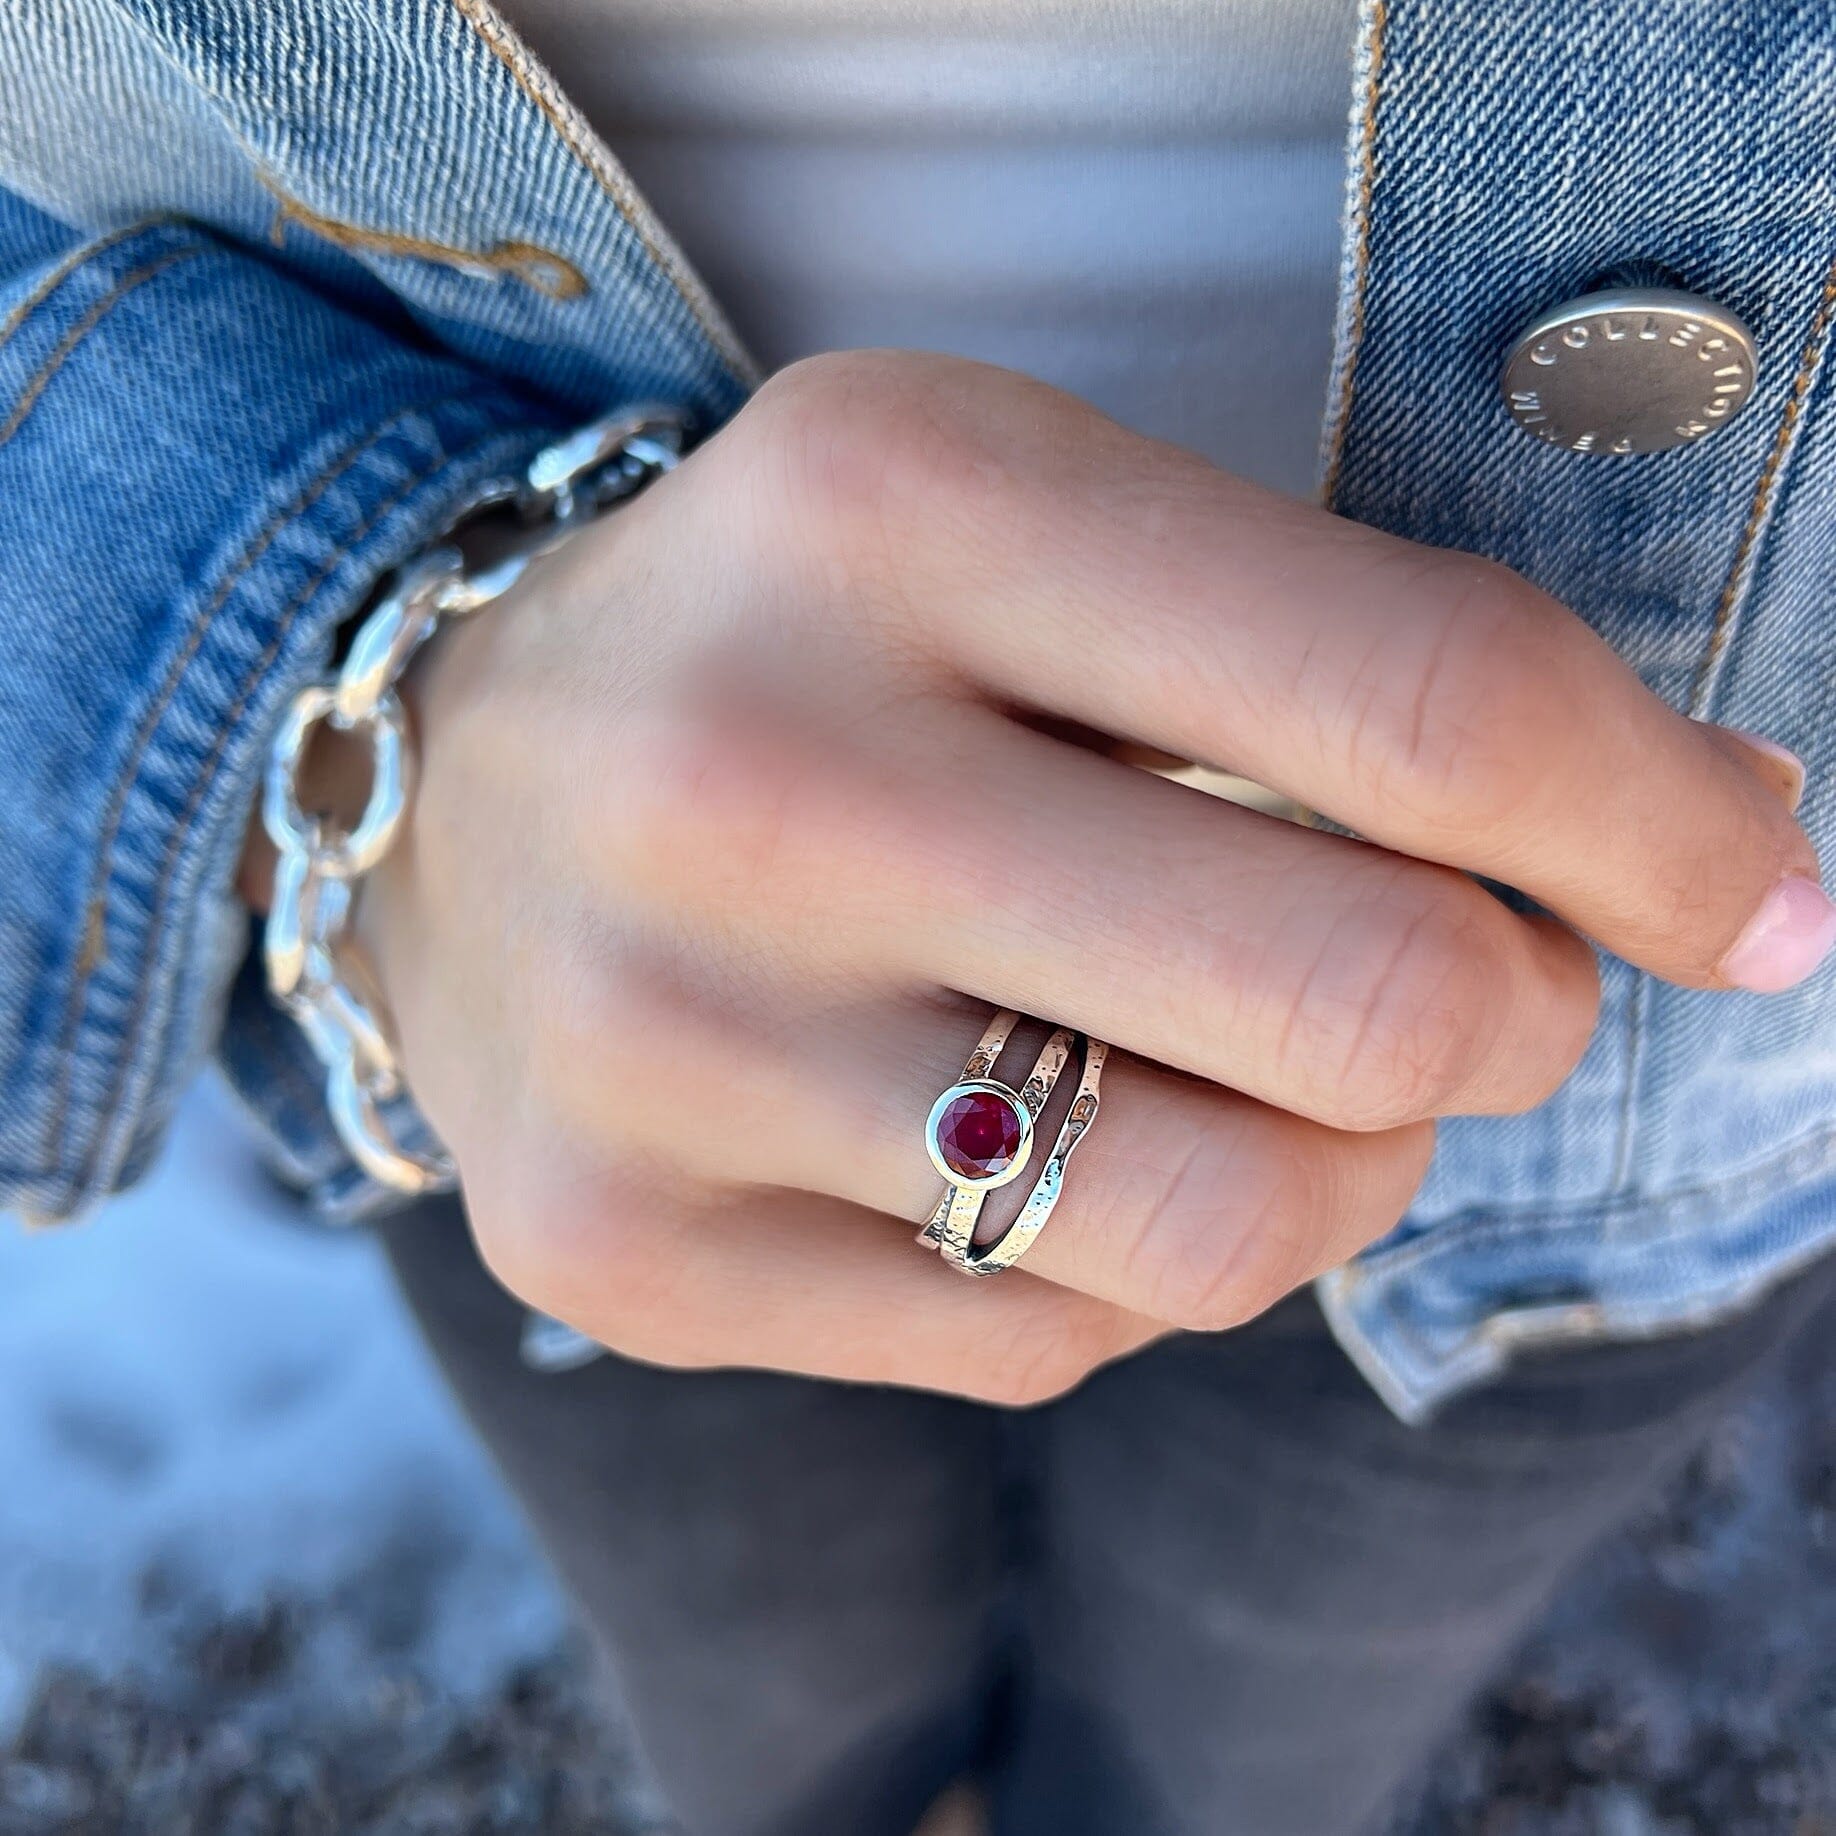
(168, 866)
(584, 146)
(81, 330)
(95, 945)
(68, 266)
(1762, 494)
(1361, 247)
(540, 268)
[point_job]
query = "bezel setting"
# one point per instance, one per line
(1002, 1093)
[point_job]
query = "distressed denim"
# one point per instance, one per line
(280, 279)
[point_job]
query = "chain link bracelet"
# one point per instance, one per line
(313, 967)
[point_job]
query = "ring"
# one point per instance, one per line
(980, 1136)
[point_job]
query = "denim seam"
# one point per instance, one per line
(77, 258)
(94, 905)
(128, 1051)
(1638, 1006)
(1740, 573)
(67, 346)
(1376, 22)
(1637, 1013)
(1415, 1371)
(1808, 1157)
(584, 145)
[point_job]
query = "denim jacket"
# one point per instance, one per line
(280, 280)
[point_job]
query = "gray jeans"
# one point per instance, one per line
(1219, 1591)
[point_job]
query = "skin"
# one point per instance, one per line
(736, 822)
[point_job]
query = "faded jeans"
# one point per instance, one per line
(1218, 1591)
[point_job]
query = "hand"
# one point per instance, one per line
(737, 820)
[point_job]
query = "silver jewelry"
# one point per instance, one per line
(313, 968)
(980, 1136)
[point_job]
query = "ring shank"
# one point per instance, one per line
(951, 1227)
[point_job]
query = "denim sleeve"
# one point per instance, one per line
(204, 468)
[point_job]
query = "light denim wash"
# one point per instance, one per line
(279, 279)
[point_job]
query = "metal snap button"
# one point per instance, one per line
(1631, 370)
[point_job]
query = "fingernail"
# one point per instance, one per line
(1782, 769)
(1785, 940)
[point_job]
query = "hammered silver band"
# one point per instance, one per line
(951, 1227)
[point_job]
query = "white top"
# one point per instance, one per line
(1137, 200)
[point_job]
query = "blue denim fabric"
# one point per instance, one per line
(333, 344)
(1691, 1161)
(394, 255)
(406, 152)
(203, 466)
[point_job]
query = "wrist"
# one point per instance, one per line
(351, 734)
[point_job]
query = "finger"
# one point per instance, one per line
(1432, 701)
(784, 1282)
(1185, 1203)
(1360, 988)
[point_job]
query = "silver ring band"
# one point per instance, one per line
(980, 1136)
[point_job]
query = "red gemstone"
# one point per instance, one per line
(978, 1135)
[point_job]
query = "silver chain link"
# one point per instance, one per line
(314, 968)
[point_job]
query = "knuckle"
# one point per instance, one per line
(518, 1244)
(594, 1021)
(1243, 1227)
(1411, 1012)
(697, 807)
(1046, 1358)
(1448, 728)
(634, 1053)
(546, 1243)
(850, 450)
(1240, 1238)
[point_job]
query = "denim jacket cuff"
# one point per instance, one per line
(204, 468)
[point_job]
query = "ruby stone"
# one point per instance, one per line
(978, 1135)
